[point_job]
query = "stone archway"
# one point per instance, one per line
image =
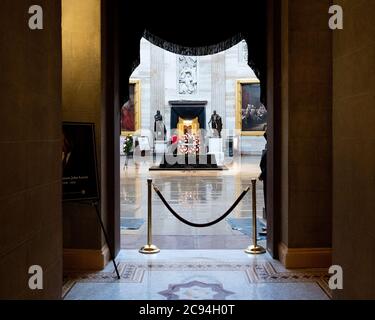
(119, 71)
(299, 80)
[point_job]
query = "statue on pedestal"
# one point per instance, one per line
(216, 124)
(159, 128)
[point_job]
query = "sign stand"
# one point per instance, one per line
(80, 171)
(96, 205)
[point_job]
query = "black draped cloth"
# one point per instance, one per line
(188, 28)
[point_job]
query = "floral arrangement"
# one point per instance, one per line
(189, 144)
(128, 144)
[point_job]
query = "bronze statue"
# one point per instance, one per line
(216, 123)
(159, 127)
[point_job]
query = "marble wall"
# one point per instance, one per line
(354, 150)
(82, 102)
(30, 148)
(216, 75)
(306, 125)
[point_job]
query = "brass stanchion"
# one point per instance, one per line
(149, 248)
(255, 248)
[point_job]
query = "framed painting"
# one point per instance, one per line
(251, 114)
(131, 111)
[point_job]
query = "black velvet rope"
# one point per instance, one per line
(203, 225)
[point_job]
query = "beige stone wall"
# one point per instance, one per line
(30, 149)
(354, 149)
(306, 124)
(82, 102)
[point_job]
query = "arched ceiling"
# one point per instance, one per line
(187, 27)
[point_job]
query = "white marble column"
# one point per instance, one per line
(157, 90)
(218, 89)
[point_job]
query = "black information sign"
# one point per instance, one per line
(79, 162)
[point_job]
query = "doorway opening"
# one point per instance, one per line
(178, 99)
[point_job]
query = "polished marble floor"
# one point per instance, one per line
(194, 263)
(198, 275)
(199, 196)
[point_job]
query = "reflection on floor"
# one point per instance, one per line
(198, 196)
(198, 275)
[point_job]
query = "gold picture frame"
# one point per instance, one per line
(240, 108)
(131, 122)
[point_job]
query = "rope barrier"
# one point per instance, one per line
(202, 225)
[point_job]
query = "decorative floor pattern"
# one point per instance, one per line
(196, 290)
(129, 274)
(259, 272)
(267, 273)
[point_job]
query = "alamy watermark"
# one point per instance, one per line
(336, 21)
(36, 19)
(36, 279)
(194, 146)
(336, 281)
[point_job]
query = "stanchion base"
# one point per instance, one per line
(149, 249)
(255, 250)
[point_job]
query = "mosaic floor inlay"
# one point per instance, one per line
(198, 277)
(196, 290)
